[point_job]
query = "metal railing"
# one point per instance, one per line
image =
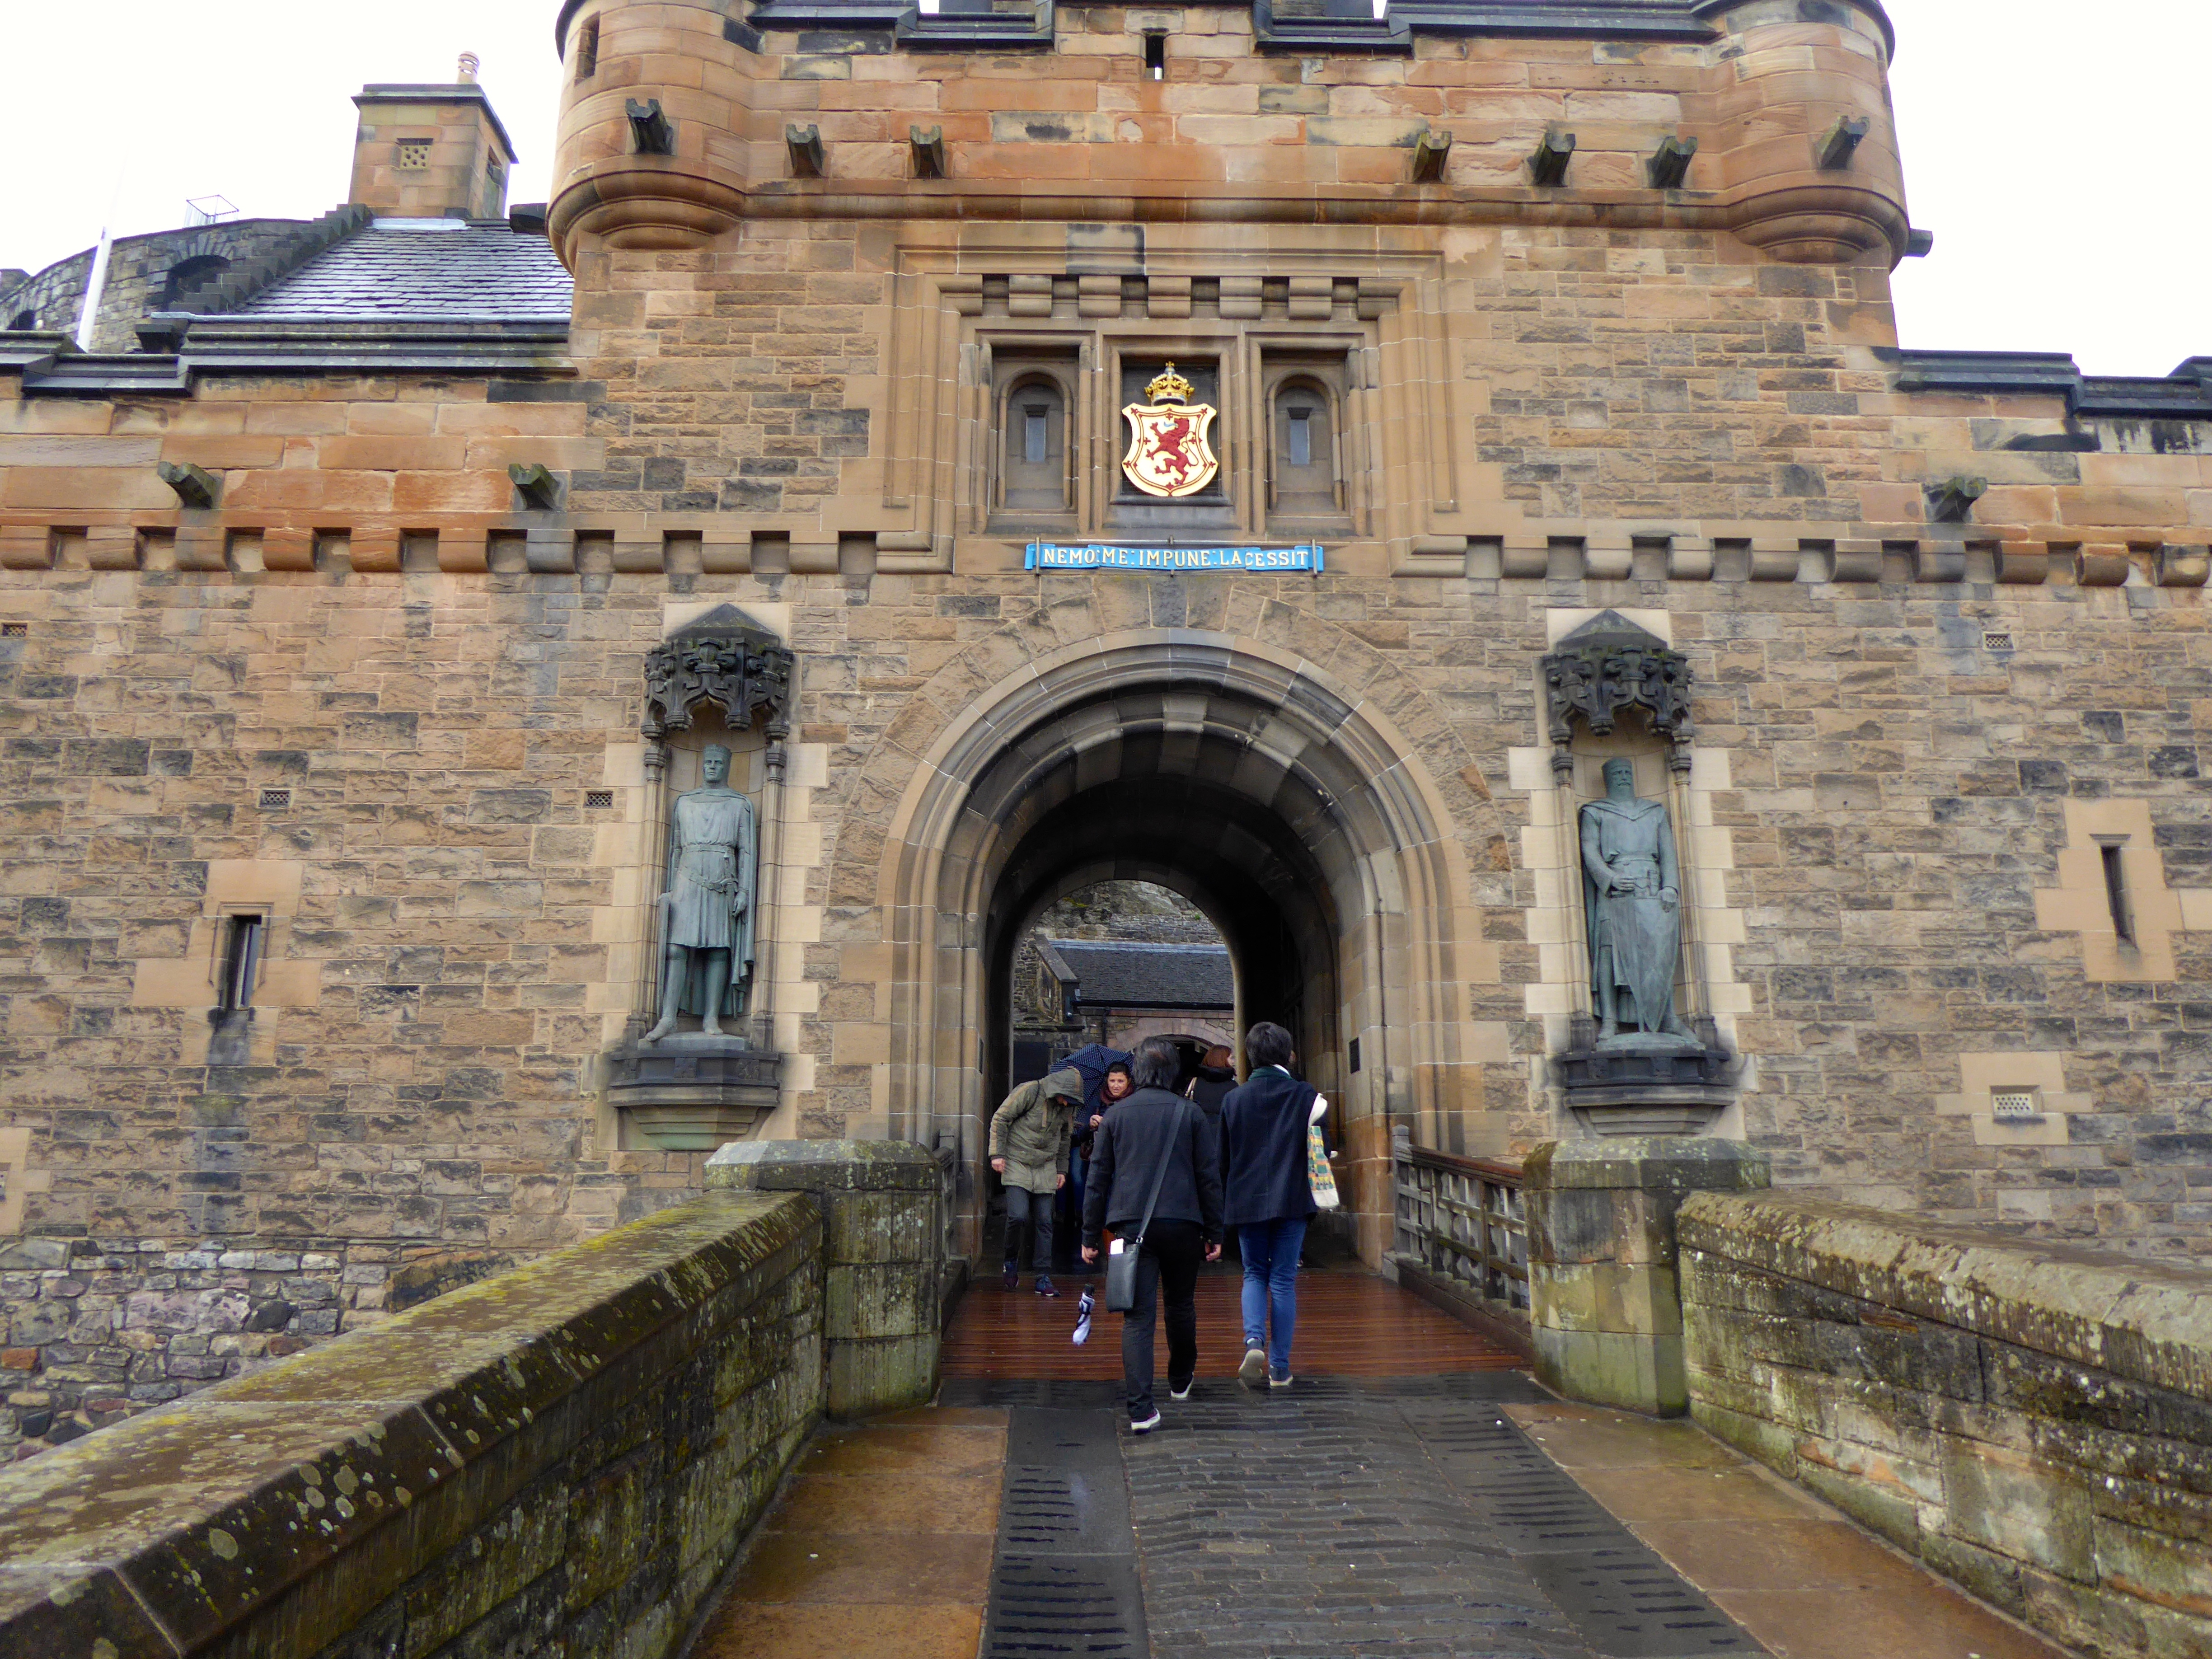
(1463, 1221)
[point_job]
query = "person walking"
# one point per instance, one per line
(1268, 1197)
(1031, 1133)
(1216, 1076)
(1155, 1142)
(1114, 1085)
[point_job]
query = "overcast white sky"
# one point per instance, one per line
(2059, 159)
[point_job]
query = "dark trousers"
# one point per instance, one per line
(1167, 1266)
(1033, 1210)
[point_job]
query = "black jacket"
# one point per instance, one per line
(1210, 1087)
(1143, 1128)
(1263, 1150)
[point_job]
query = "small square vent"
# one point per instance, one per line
(1996, 642)
(598, 799)
(276, 801)
(2014, 1105)
(414, 153)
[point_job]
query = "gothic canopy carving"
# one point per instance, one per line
(1608, 664)
(723, 657)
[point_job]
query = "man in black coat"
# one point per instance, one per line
(1155, 1136)
(1267, 1196)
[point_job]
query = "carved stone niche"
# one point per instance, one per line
(720, 676)
(1614, 691)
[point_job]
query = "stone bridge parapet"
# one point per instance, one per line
(564, 1458)
(2034, 1420)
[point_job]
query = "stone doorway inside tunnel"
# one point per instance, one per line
(1287, 812)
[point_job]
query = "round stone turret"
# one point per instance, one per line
(650, 151)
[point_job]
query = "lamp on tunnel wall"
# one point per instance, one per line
(1642, 1055)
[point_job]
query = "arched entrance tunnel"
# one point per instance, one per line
(1235, 859)
(1243, 778)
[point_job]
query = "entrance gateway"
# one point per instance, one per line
(1228, 770)
(365, 618)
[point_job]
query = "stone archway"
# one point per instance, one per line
(1294, 810)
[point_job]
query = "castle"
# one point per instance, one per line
(372, 586)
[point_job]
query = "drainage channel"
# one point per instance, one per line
(1621, 1597)
(1064, 1578)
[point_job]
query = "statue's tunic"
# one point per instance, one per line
(710, 862)
(1635, 937)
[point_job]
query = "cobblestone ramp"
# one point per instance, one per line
(1410, 1519)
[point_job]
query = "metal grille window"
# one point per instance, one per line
(15, 630)
(598, 799)
(276, 801)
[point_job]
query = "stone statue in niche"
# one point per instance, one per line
(707, 913)
(1632, 899)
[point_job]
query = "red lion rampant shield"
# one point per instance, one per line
(1169, 454)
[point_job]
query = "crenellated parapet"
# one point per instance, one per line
(1768, 120)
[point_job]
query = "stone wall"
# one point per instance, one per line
(99, 1329)
(562, 1460)
(2034, 1420)
(139, 277)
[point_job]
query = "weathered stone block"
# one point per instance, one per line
(881, 1227)
(893, 1300)
(881, 1375)
(823, 1166)
(1601, 1253)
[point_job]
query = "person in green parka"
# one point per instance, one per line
(1029, 1136)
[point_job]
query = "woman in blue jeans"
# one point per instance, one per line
(1268, 1198)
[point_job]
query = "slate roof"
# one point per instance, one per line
(1118, 976)
(425, 270)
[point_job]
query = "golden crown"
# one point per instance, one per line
(1170, 387)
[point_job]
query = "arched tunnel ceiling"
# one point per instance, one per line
(1202, 841)
(1239, 805)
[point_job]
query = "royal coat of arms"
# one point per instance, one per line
(1169, 454)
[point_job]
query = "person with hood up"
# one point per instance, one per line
(1031, 1133)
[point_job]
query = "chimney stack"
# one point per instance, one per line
(431, 152)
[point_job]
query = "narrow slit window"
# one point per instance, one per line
(1156, 56)
(1301, 437)
(241, 962)
(2116, 891)
(1033, 447)
(587, 50)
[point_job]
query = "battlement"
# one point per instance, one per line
(1769, 121)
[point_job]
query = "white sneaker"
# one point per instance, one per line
(1254, 1368)
(1182, 1393)
(1282, 1382)
(1148, 1426)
